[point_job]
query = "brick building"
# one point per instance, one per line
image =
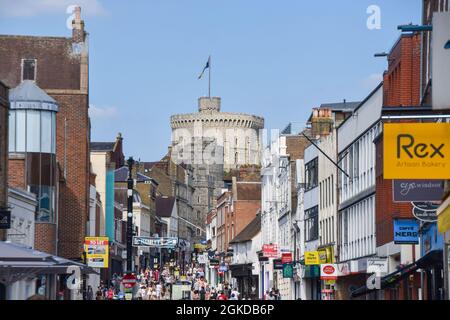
(401, 90)
(58, 65)
(236, 208)
(4, 106)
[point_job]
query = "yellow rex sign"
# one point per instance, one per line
(416, 151)
(312, 258)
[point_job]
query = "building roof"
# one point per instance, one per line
(102, 146)
(250, 231)
(164, 206)
(121, 175)
(248, 190)
(27, 95)
(340, 106)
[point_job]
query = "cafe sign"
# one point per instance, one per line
(416, 151)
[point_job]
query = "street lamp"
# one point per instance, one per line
(130, 184)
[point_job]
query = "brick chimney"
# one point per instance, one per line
(78, 33)
(321, 122)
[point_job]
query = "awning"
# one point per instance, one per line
(18, 262)
(430, 259)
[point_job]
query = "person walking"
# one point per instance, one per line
(222, 296)
(158, 291)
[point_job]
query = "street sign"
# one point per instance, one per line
(129, 281)
(5, 219)
(328, 272)
(155, 242)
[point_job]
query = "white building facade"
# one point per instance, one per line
(356, 211)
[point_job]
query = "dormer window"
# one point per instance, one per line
(29, 69)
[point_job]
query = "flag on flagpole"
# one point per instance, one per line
(208, 65)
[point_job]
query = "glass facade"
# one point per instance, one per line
(32, 131)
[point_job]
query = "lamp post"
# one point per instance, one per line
(130, 184)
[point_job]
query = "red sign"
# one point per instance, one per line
(270, 250)
(129, 281)
(286, 257)
(328, 272)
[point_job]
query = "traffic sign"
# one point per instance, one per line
(129, 281)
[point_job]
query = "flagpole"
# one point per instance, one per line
(209, 85)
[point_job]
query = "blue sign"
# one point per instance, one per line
(406, 231)
(431, 239)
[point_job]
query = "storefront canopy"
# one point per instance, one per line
(18, 262)
(431, 259)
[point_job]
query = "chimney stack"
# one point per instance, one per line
(78, 33)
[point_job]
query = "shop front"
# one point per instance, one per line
(246, 282)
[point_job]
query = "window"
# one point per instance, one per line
(29, 69)
(312, 224)
(311, 174)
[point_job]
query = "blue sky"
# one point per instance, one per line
(276, 59)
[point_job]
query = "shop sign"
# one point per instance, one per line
(328, 272)
(343, 269)
(288, 271)
(312, 258)
(5, 219)
(375, 265)
(270, 250)
(406, 231)
(155, 242)
(286, 257)
(444, 217)
(97, 251)
(277, 264)
(416, 151)
(326, 255)
(417, 190)
(425, 211)
(214, 262)
(202, 258)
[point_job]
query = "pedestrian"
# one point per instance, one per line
(99, 295)
(196, 295)
(110, 293)
(158, 291)
(236, 293)
(202, 293)
(90, 293)
(222, 296)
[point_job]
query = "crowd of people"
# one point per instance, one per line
(157, 285)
